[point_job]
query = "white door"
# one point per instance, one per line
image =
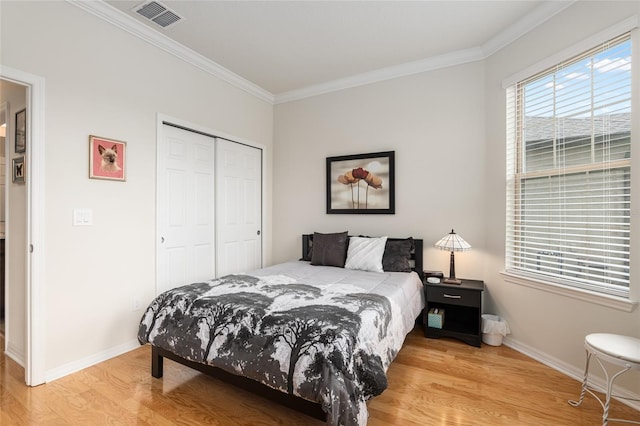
(186, 211)
(239, 207)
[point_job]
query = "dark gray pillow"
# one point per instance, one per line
(330, 249)
(397, 255)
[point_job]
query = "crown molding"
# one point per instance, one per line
(121, 20)
(114, 16)
(538, 16)
(436, 62)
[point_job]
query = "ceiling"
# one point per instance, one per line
(284, 47)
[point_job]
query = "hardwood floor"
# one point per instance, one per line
(431, 382)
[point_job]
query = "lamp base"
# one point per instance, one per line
(452, 281)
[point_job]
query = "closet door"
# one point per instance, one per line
(186, 212)
(238, 207)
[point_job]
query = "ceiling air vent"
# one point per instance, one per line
(158, 13)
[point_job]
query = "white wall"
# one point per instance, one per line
(101, 80)
(435, 124)
(552, 325)
(450, 172)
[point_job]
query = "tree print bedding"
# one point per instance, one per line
(323, 334)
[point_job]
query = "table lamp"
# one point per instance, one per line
(452, 242)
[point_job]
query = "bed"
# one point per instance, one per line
(317, 334)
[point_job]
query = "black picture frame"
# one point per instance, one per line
(19, 171)
(21, 131)
(361, 183)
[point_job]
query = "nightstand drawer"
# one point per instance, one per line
(453, 296)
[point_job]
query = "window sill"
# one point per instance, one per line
(614, 302)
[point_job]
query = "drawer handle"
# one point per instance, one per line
(452, 296)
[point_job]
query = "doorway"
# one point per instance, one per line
(29, 247)
(13, 195)
(4, 114)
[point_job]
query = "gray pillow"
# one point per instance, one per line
(397, 255)
(330, 249)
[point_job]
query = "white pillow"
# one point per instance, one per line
(365, 253)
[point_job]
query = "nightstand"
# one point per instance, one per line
(462, 305)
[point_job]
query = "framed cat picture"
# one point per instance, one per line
(107, 158)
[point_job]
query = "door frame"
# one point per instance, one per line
(35, 315)
(189, 126)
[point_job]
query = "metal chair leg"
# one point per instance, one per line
(609, 390)
(617, 350)
(605, 414)
(584, 383)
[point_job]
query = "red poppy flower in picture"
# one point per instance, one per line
(106, 158)
(362, 183)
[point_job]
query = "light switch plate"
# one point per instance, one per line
(82, 217)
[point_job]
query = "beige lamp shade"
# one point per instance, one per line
(452, 242)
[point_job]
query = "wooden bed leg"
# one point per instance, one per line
(156, 362)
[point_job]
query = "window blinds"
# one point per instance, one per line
(568, 171)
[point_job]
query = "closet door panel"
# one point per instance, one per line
(186, 213)
(239, 212)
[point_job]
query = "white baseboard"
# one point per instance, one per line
(572, 371)
(15, 354)
(75, 366)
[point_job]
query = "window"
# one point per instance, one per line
(569, 171)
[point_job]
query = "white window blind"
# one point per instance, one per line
(569, 169)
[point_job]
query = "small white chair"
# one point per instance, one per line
(623, 351)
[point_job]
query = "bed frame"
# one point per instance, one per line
(312, 409)
(309, 408)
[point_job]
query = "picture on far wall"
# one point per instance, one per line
(361, 183)
(19, 171)
(21, 131)
(106, 158)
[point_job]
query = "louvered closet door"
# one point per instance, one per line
(239, 207)
(186, 211)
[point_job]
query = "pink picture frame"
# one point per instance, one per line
(107, 158)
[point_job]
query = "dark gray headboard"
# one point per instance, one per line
(416, 255)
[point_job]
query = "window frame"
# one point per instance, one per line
(626, 304)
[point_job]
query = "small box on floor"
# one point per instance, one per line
(435, 318)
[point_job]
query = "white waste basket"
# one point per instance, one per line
(494, 329)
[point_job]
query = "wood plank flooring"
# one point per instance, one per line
(431, 382)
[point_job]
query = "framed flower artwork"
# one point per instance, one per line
(361, 183)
